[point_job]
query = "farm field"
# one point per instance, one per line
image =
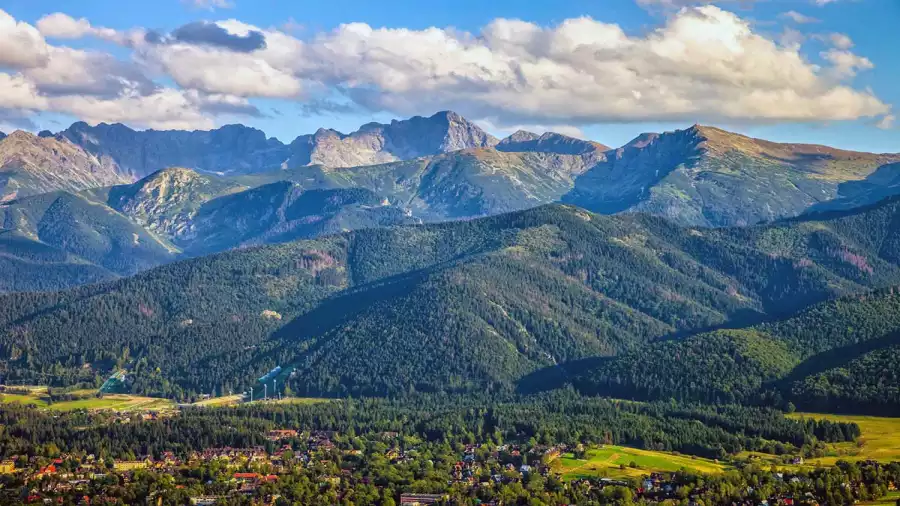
(880, 439)
(607, 462)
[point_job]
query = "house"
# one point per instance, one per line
(277, 435)
(421, 499)
(205, 500)
(131, 465)
(246, 477)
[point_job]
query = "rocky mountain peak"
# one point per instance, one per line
(549, 142)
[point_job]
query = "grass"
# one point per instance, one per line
(607, 462)
(23, 399)
(114, 402)
(301, 400)
(889, 500)
(228, 400)
(880, 439)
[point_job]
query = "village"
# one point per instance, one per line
(337, 464)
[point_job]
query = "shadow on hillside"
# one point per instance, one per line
(557, 376)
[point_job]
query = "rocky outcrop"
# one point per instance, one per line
(376, 143)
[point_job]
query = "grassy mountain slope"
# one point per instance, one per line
(452, 306)
(92, 232)
(709, 177)
(463, 184)
(283, 211)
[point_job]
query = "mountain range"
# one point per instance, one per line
(157, 196)
(490, 303)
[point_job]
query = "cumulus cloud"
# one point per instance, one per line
(796, 17)
(21, 45)
(703, 63)
(20, 94)
(840, 40)
(204, 33)
(214, 68)
(166, 109)
(887, 122)
(846, 64)
(92, 85)
(72, 71)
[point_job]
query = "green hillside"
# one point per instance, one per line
(837, 355)
(454, 306)
(60, 229)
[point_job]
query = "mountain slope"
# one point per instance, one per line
(166, 202)
(709, 177)
(834, 355)
(454, 306)
(463, 184)
(283, 211)
(92, 232)
(30, 165)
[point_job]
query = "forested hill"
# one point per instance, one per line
(454, 306)
(839, 355)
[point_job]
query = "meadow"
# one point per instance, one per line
(880, 439)
(114, 402)
(616, 462)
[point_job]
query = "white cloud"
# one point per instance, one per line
(798, 18)
(702, 64)
(822, 3)
(167, 109)
(887, 122)
(91, 85)
(221, 71)
(840, 41)
(846, 64)
(18, 93)
(63, 26)
(21, 45)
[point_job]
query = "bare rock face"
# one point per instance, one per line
(30, 165)
(237, 149)
(550, 142)
(136, 154)
(376, 143)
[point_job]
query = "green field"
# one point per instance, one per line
(880, 439)
(608, 461)
(888, 500)
(114, 402)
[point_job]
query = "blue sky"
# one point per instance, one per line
(601, 108)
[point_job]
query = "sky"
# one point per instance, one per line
(816, 71)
